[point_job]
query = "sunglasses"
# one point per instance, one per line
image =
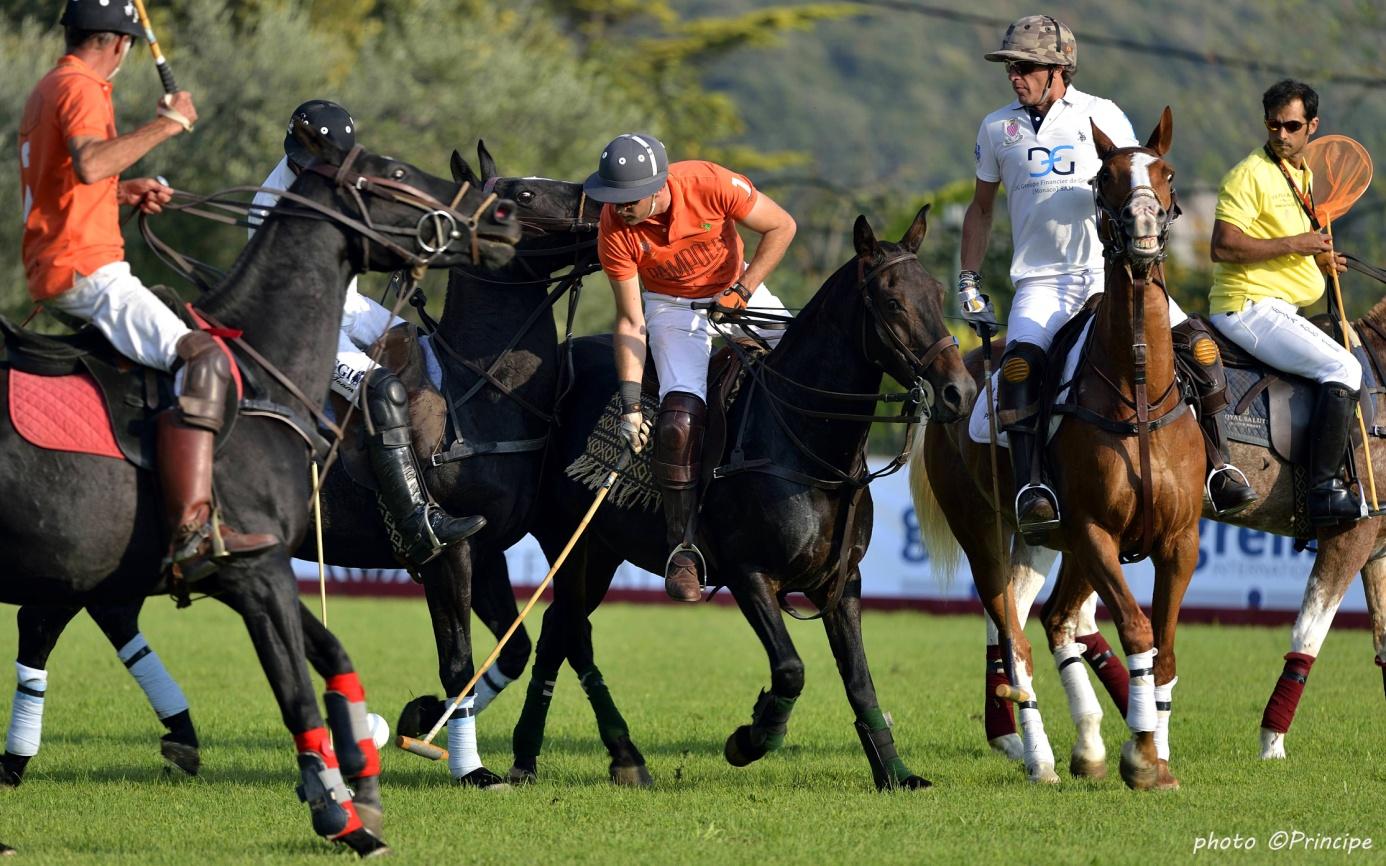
(1290, 126)
(1022, 67)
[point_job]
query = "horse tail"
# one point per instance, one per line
(944, 551)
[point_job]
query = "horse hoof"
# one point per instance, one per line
(909, 783)
(1272, 745)
(1042, 774)
(522, 775)
(181, 756)
(364, 843)
(6, 850)
(631, 777)
(366, 796)
(1009, 745)
(1164, 779)
(483, 780)
(1137, 772)
(9, 778)
(1086, 768)
(740, 750)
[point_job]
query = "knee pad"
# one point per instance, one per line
(387, 399)
(1018, 392)
(1198, 358)
(679, 440)
(206, 372)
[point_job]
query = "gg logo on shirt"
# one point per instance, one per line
(1050, 160)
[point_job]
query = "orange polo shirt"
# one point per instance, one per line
(691, 250)
(70, 227)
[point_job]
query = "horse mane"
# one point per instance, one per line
(1376, 316)
(840, 280)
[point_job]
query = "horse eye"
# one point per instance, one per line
(398, 174)
(525, 197)
(894, 306)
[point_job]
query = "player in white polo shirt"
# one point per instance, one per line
(1040, 147)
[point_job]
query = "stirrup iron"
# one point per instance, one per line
(692, 550)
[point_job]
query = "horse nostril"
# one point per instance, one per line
(952, 396)
(504, 212)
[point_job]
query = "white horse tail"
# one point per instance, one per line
(944, 550)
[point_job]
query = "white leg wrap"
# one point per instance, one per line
(26, 717)
(1164, 696)
(1140, 708)
(1039, 756)
(462, 754)
(148, 670)
(490, 685)
(1082, 700)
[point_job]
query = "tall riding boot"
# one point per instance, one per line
(1331, 500)
(185, 437)
(1018, 396)
(419, 529)
(676, 466)
(1199, 359)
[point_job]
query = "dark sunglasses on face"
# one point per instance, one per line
(1290, 126)
(1022, 67)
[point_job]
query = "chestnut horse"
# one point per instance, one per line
(1128, 468)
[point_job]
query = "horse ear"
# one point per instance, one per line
(864, 239)
(914, 236)
(485, 161)
(1100, 140)
(462, 170)
(1163, 135)
(318, 144)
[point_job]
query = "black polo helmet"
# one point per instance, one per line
(103, 16)
(329, 118)
(632, 166)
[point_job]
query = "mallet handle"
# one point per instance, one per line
(165, 73)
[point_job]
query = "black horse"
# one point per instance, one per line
(353, 212)
(791, 514)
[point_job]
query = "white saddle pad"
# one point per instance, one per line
(979, 423)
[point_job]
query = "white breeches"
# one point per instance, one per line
(1273, 331)
(363, 322)
(136, 322)
(680, 338)
(1043, 304)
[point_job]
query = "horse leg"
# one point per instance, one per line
(40, 626)
(770, 716)
(1174, 562)
(493, 600)
(448, 588)
(1342, 553)
(268, 602)
(843, 625)
(1029, 569)
(627, 766)
(1062, 616)
(1100, 656)
(1374, 585)
(1095, 551)
(121, 625)
(345, 699)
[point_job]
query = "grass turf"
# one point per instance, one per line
(684, 678)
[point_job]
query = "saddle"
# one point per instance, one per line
(1272, 409)
(77, 393)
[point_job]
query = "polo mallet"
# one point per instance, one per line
(1346, 331)
(425, 747)
(317, 531)
(161, 63)
(1009, 691)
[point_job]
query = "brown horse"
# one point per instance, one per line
(1128, 468)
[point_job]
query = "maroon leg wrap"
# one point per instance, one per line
(1280, 710)
(998, 716)
(1108, 668)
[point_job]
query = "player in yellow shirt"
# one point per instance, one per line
(1269, 257)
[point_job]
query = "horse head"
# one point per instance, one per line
(903, 330)
(1135, 198)
(542, 206)
(405, 217)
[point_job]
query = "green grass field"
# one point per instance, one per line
(684, 678)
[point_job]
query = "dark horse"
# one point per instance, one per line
(354, 212)
(495, 322)
(797, 518)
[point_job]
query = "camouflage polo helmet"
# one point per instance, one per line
(1041, 39)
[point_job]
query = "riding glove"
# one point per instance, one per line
(976, 307)
(636, 428)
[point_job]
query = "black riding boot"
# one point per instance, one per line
(1022, 377)
(419, 529)
(1330, 499)
(1198, 357)
(677, 461)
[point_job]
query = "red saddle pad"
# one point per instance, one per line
(62, 413)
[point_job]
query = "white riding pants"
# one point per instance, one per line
(680, 338)
(1043, 304)
(363, 322)
(1273, 331)
(138, 324)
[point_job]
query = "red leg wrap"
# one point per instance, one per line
(1280, 710)
(1108, 668)
(349, 686)
(998, 716)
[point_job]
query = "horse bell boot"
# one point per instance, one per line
(185, 437)
(676, 465)
(1017, 412)
(419, 529)
(1200, 362)
(1330, 500)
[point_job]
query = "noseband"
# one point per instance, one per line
(922, 392)
(1111, 228)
